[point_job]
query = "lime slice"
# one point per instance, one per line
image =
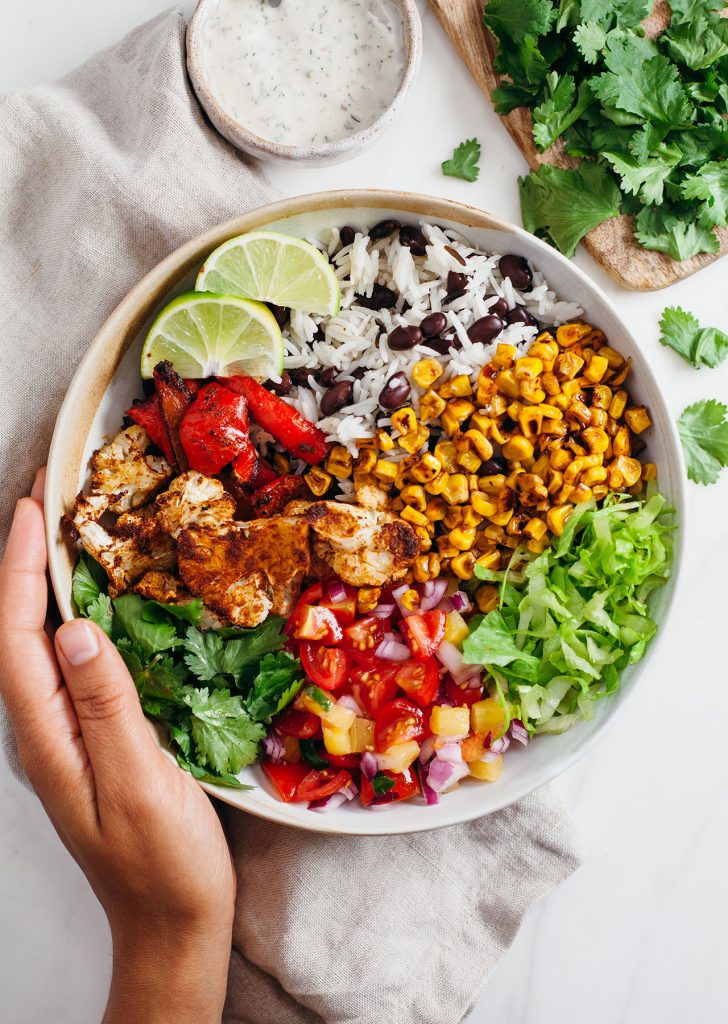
(205, 335)
(271, 267)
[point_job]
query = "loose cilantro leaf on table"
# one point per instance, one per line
(464, 161)
(703, 429)
(697, 345)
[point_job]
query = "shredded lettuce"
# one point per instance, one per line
(573, 617)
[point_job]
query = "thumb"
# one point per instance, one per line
(105, 699)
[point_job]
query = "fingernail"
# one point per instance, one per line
(78, 642)
(38, 488)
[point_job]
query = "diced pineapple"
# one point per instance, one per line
(336, 741)
(362, 735)
(456, 628)
(399, 757)
(487, 771)
(445, 721)
(488, 716)
(339, 717)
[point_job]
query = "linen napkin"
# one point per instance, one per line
(103, 174)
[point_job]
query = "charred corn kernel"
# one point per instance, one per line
(517, 448)
(456, 387)
(426, 567)
(425, 535)
(515, 526)
(483, 505)
(361, 735)
(460, 408)
(462, 565)
(564, 494)
(426, 372)
(620, 376)
(366, 460)
(561, 401)
(580, 493)
(414, 495)
(453, 517)
(501, 518)
(614, 358)
(470, 517)
(486, 597)
(446, 453)
(595, 475)
(339, 462)
(504, 356)
(532, 391)
(462, 537)
(410, 599)
(569, 334)
(425, 468)
(318, 480)
(537, 545)
(535, 528)
(599, 417)
(456, 489)
(404, 420)
(481, 423)
(596, 369)
(578, 449)
(492, 484)
(618, 404)
(498, 435)
(572, 389)
(530, 420)
(479, 443)
(580, 463)
(527, 368)
(431, 407)
(402, 478)
(367, 599)
(531, 489)
(600, 491)
(385, 471)
(638, 419)
(446, 551)
(384, 441)
(546, 351)
(557, 517)
(554, 428)
(597, 439)
(611, 426)
(438, 485)
(397, 505)
(601, 396)
(487, 771)
(488, 717)
(559, 459)
(631, 469)
(621, 444)
(281, 464)
(495, 534)
(649, 471)
(415, 440)
(412, 515)
(449, 423)
(469, 461)
(507, 384)
(554, 481)
(497, 405)
(517, 471)
(550, 383)
(580, 412)
(550, 412)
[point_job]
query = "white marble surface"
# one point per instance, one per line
(638, 934)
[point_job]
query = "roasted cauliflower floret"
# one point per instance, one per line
(133, 546)
(368, 495)
(194, 499)
(125, 474)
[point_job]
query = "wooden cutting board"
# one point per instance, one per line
(612, 244)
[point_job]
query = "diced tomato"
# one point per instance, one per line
(344, 609)
(341, 760)
(314, 623)
(271, 499)
(398, 722)
(298, 435)
(424, 632)
(214, 429)
(325, 666)
(245, 464)
(403, 789)
(420, 680)
(374, 685)
(302, 724)
(286, 777)
(297, 782)
(362, 638)
(461, 694)
(148, 414)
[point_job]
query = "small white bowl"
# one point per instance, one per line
(319, 155)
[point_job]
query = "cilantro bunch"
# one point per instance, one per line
(644, 116)
(215, 690)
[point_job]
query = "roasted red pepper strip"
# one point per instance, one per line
(214, 430)
(174, 400)
(273, 498)
(147, 413)
(297, 434)
(245, 464)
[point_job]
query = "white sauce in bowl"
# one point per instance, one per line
(301, 72)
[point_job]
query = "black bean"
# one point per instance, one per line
(346, 235)
(358, 373)
(451, 296)
(447, 340)
(280, 388)
(403, 338)
(499, 308)
(319, 334)
(486, 328)
(413, 238)
(381, 298)
(493, 466)
(517, 269)
(395, 392)
(300, 376)
(329, 375)
(433, 324)
(456, 281)
(336, 397)
(520, 315)
(383, 228)
(281, 313)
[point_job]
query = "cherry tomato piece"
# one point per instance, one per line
(460, 693)
(374, 685)
(302, 724)
(286, 777)
(341, 760)
(345, 608)
(403, 789)
(325, 666)
(362, 638)
(424, 632)
(398, 722)
(298, 782)
(313, 623)
(420, 680)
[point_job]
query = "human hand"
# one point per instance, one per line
(143, 832)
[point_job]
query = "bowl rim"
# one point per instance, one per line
(118, 332)
(244, 138)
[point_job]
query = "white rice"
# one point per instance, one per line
(356, 338)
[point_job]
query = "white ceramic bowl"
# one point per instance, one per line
(108, 379)
(314, 155)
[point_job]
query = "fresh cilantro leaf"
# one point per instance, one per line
(209, 655)
(562, 109)
(382, 784)
(645, 178)
(663, 231)
(507, 97)
(698, 345)
(566, 204)
(101, 612)
(650, 89)
(464, 161)
(491, 643)
(516, 19)
(703, 430)
(697, 44)
(568, 14)
(279, 678)
(688, 10)
(151, 636)
(524, 64)
(157, 611)
(159, 678)
(626, 13)
(226, 738)
(590, 39)
(311, 754)
(88, 583)
(710, 183)
(202, 776)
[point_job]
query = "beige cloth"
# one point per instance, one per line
(101, 175)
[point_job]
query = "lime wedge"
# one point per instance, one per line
(271, 267)
(205, 335)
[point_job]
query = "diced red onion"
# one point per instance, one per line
(431, 797)
(381, 807)
(335, 591)
(444, 699)
(384, 609)
(443, 774)
(518, 731)
(346, 700)
(459, 601)
(329, 803)
(500, 745)
(273, 746)
(350, 791)
(490, 755)
(368, 765)
(449, 656)
(398, 594)
(391, 649)
(427, 749)
(450, 752)
(431, 593)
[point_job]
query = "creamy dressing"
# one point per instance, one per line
(304, 71)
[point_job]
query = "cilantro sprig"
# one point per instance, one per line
(464, 161)
(699, 346)
(703, 429)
